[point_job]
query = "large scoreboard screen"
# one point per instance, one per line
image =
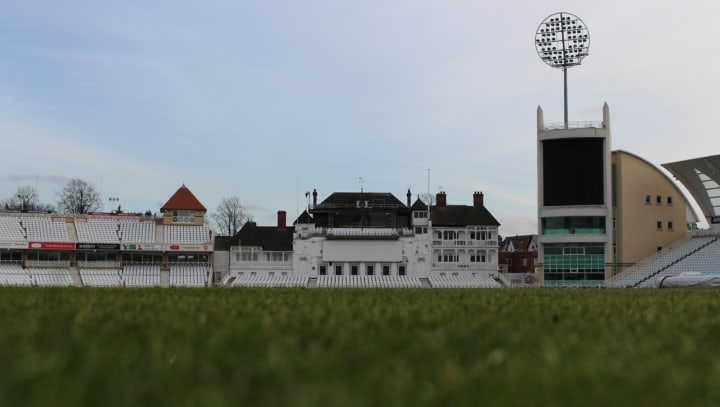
(573, 172)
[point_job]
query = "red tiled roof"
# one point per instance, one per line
(183, 199)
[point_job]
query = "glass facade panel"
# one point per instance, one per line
(573, 225)
(575, 264)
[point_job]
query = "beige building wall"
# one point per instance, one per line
(637, 233)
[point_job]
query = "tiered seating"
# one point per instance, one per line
(368, 281)
(50, 277)
(43, 229)
(14, 274)
(10, 229)
(137, 231)
(248, 280)
(141, 275)
(705, 260)
(187, 234)
(106, 277)
(189, 275)
(97, 230)
(463, 280)
(661, 261)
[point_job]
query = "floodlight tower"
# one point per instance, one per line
(562, 40)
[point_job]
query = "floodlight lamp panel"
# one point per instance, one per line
(565, 29)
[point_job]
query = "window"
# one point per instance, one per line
(338, 269)
(370, 270)
(648, 199)
(659, 225)
(670, 226)
(420, 230)
(354, 269)
(183, 216)
(323, 270)
(669, 200)
(658, 200)
(420, 214)
(386, 269)
(401, 270)
(525, 262)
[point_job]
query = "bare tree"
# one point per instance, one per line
(78, 196)
(26, 199)
(229, 216)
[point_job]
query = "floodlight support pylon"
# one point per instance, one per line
(566, 97)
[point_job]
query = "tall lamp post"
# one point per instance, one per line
(562, 40)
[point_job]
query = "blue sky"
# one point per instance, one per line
(269, 99)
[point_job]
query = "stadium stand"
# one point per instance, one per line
(10, 229)
(98, 230)
(463, 280)
(669, 262)
(141, 275)
(102, 229)
(137, 231)
(15, 275)
(106, 277)
(187, 234)
(44, 229)
(330, 281)
(249, 280)
(189, 275)
(50, 277)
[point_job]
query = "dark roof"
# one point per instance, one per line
(270, 238)
(461, 215)
(183, 199)
(519, 242)
(419, 206)
(304, 218)
(350, 199)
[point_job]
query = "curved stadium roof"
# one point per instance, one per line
(701, 176)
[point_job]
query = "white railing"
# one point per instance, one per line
(575, 125)
(262, 265)
(464, 266)
(47, 263)
(466, 243)
(361, 232)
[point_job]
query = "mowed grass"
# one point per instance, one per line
(182, 347)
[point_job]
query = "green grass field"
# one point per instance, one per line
(71, 347)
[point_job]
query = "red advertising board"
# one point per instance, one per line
(51, 245)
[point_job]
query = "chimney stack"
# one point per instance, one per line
(282, 217)
(441, 199)
(478, 199)
(409, 196)
(314, 197)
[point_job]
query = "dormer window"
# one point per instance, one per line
(420, 214)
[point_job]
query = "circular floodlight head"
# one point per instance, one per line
(562, 40)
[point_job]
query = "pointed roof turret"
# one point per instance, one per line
(183, 199)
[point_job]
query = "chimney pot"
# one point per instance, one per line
(441, 200)
(478, 199)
